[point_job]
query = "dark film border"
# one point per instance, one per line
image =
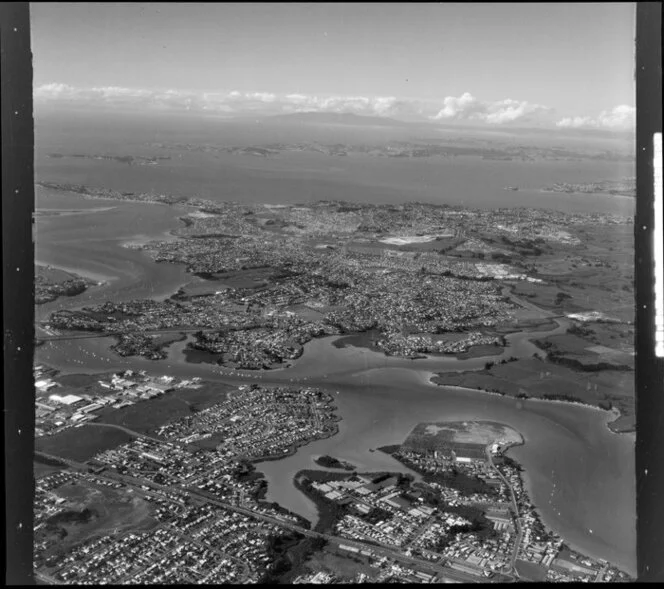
(649, 461)
(18, 287)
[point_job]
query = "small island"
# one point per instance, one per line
(122, 159)
(331, 462)
(623, 187)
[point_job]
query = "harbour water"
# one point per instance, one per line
(580, 475)
(90, 243)
(301, 177)
(570, 457)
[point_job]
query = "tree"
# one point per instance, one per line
(561, 296)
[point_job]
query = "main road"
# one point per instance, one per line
(202, 496)
(517, 519)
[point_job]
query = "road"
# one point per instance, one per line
(245, 567)
(47, 580)
(600, 575)
(417, 533)
(131, 432)
(204, 497)
(517, 519)
(379, 550)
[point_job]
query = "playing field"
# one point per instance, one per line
(471, 437)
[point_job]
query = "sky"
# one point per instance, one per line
(564, 64)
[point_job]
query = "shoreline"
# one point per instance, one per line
(528, 492)
(574, 193)
(139, 242)
(314, 380)
(43, 212)
(292, 362)
(425, 377)
(98, 279)
(528, 488)
(339, 465)
(422, 376)
(293, 448)
(127, 200)
(310, 379)
(614, 411)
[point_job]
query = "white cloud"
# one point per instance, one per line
(251, 96)
(576, 122)
(464, 107)
(467, 107)
(622, 117)
(382, 106)
(119, 92)
(54, 91)
(234, 101)
(512, 110)
(458, 108)
(117, 96)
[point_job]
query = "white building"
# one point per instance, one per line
(66, 400)
(45, 385)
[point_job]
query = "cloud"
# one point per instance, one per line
(362, 105)
(261, 97)
(622, 117)
(576, 122)
(53, 91)
(509, 110)
(465, 107)
(112, 96)
(468, 108)
(230, 102)
(459, 108)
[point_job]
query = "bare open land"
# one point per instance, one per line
(467, 436)
(89, 510)
(536, 378)
(81, 442)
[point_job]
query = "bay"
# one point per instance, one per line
(90, 243)
(300, 177)
(580, 475)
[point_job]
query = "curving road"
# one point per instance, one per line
(517, 519)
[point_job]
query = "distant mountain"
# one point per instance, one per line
(330, 118)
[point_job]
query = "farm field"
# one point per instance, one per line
(539, 379)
